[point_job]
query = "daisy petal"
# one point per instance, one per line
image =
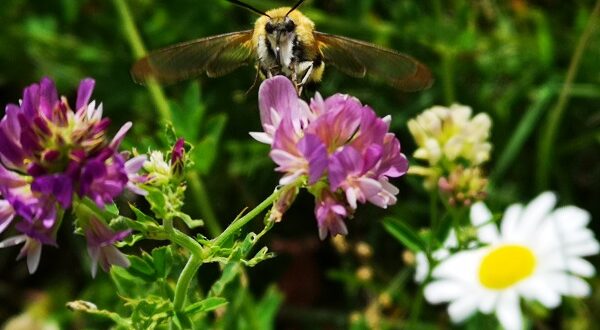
(581, 267)
(535, 212)
(510, 220)
(572, 217)
(442, 291)
(460, 266)
(488, 302)
(541, 289)
(461, 309)
(480, 214)
(508, 311)
(570, 285)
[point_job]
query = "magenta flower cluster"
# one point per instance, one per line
(50, 155)
(341, 147)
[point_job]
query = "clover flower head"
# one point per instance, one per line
(455, 145)
(451, 134)
(536, 253)
(51, 154)
(463, 186)
(162, 169)
(336, 142)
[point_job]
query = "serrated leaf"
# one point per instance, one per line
(90, 308)
(163, 261)
(112, 208)
(141, 268)
(122, 223)
(123, 280)
(262, 255)
(158, 202)
(191, 223)
(206, 305)
(403, 233)
(141, 216)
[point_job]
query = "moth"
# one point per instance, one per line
(283, 42)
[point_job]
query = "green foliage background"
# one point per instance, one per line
(507, 58)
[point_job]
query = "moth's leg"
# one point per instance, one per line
(307, 68)
(258, 72)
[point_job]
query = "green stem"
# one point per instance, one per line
(433, 209)
(184, 280)
(198, 254)
(547, 141)
(448, 76)
(137, 47)
(206, 209)
(417, 306)
(182, 239)
(239, 223)
(190, 269)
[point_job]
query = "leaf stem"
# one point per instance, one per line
(239, 223)
(138, 49)
(548, 138)
(208, 214)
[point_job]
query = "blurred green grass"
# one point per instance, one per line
(506, 58)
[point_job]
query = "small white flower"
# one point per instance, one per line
(159, 170)
(451, 133)
(536, 254)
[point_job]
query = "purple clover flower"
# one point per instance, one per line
(336, 142)
(100, 240)
(51, 154)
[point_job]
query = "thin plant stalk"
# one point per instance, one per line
(549, 134)
(138, 49)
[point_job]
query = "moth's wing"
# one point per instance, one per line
(214, 56)
(359, 59)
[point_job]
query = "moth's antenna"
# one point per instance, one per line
(295, 6)
(247, 6)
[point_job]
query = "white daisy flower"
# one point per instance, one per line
(536, 254)
(422, 263)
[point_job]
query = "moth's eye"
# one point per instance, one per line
(290, 26)
(269, 28)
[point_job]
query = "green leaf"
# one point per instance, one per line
(158, 202)
(90, 308)
(124, 281)
(267, 308)
(162, 258)
(182, 321)
(191, 223)
(112, 208)
(188, 114)
(523, 131)
(141, 268)
(230, 271)
(403, 233)
(262, 255)
(205, 150)
(206, 305)
(141, 216)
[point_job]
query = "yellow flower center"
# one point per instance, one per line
(505, 266)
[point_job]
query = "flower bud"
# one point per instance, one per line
(178, 157)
